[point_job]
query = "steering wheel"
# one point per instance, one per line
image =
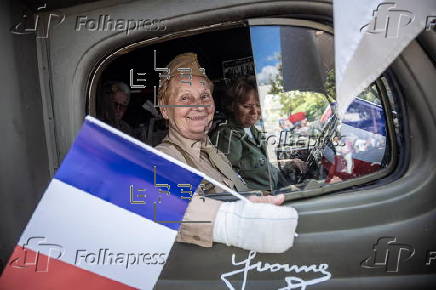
(315, 154)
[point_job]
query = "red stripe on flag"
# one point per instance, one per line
(38, 271)
(338, 168)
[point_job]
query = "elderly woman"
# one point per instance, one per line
(187, 103)
(242, 142)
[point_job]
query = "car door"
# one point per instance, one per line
(376, 232)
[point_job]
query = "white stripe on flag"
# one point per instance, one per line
(76, 220)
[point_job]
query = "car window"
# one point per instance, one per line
(296, 83)
(296, 140)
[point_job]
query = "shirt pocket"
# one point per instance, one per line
(253, 161)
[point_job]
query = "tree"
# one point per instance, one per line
(277, 82)
(312, 103)
(330, 85)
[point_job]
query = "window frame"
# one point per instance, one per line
(355, 183)
(359, 183)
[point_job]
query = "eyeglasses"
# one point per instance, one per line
(119, 106)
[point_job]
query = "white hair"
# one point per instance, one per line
(120, 86)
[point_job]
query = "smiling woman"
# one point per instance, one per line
(186, 102)
(192, 107)
(197, 112)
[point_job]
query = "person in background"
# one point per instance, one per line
(299, 120)
(243, 144)
(187, 104)
(114, 100)
(285, 124)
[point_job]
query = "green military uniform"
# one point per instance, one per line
(248, 155)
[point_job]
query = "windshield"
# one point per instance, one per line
(296, 83)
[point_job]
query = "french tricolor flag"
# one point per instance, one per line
(107, 220)
(363, 142)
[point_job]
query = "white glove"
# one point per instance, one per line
(260, 227)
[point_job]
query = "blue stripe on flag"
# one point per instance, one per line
(371, 117)
(108, 166)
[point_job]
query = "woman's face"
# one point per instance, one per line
(248, 112)
(197, 108)
(120, 101)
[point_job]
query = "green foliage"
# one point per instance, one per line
(313, 104)
(330, 85)
(370, 94)
(277, 83)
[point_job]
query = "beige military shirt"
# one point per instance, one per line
(200, 208)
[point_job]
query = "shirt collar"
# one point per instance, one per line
(237, 126)
(233, 123)
(193, 147)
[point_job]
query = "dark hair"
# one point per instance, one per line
(241, 88)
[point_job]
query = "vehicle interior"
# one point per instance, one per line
(359, 218)
(142, 61)
(294, 69)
